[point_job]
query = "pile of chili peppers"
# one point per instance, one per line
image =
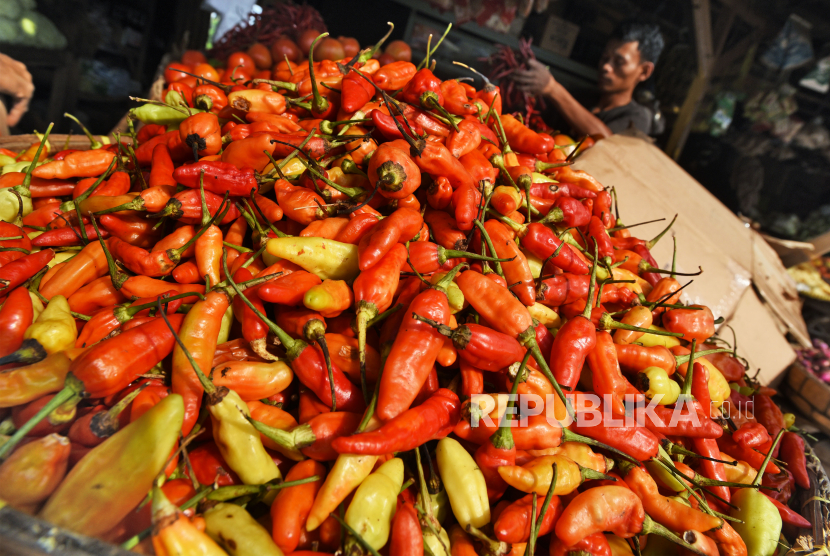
(286, 318)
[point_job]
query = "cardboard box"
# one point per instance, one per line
(733, 257)
(559, 36)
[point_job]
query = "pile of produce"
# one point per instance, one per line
(293, 313)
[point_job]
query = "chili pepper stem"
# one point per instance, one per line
(27, 179)
(292, 440)
(672, 448)
(652, 527)
(763, 467)
(537, 522)
(384, 315)
(215, 395)
(319, 103)
(491, 547)
(29, 352)
(293, 347)
(528, 340)
(502, 439)
(106, 423)
(73, 389)
(652, 242)
(490, 246)
(607, 323)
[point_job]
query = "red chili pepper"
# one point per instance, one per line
(327, 427)
(393, 172)
(394, 76)
(413, 352)
(186, 207)
(406, 535)
(399, 227)
(708, 447)
(385, 124)
(439, 193)
(288, 289)
(596, 231)
(466, 201)
(478, 166)
(605, 369)
(434, 419)
(751, 435)
(794, 453)
(18, 271)
(65, 237)
(514, 523)
(456, 100)
(595, 544)
(465, 140)
(219, 177)
(16, 316)
(788, 515)
(436, 160)
(523, 139)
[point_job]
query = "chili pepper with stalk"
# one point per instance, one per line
(516, 268)
(761, 522)
(543, 242)
(237, 439)
(507, 315)
(105, 369)
(16, 272)
(173, 531)
(219, 177)
(414, 350)
(793, 452)
(374, 289)
(394, 172)
(95, 496)
(94, 427)
(428, 257)
(290, 508)
(306, 363)
(522, 520)
(104, 322)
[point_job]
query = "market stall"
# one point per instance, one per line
(313, 299)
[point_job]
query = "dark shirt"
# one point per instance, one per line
(622, 117)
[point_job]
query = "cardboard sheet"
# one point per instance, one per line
(733, 256)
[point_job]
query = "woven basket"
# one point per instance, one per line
(810, 395)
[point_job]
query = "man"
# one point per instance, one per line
(16, 82)
(628, 60)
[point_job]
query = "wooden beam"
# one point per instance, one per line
(707, 57)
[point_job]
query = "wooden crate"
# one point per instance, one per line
(810, 395)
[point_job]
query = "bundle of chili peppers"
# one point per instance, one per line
(360, 309)
(502, 64)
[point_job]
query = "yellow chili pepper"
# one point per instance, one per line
(111, 480)
(455, 297)
(373, 505)
(346, 474)
(789, 420)
(654, 381)
(238, 533)
(439, 545)
(37, 306)
(60, 257)
(536, 475)
(741, 473)
(330, 298)
(651, 340)
(464, 482)
(225, 327)
(55, 328)
(173, 533)
(584, 456)
(239, 442)
(545, 315)
(326, 258)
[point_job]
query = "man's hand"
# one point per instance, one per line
(16, 81)
(536, 80)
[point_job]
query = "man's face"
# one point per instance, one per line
(620, 68)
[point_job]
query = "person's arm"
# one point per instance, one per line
(537, 80)
(16, 81)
